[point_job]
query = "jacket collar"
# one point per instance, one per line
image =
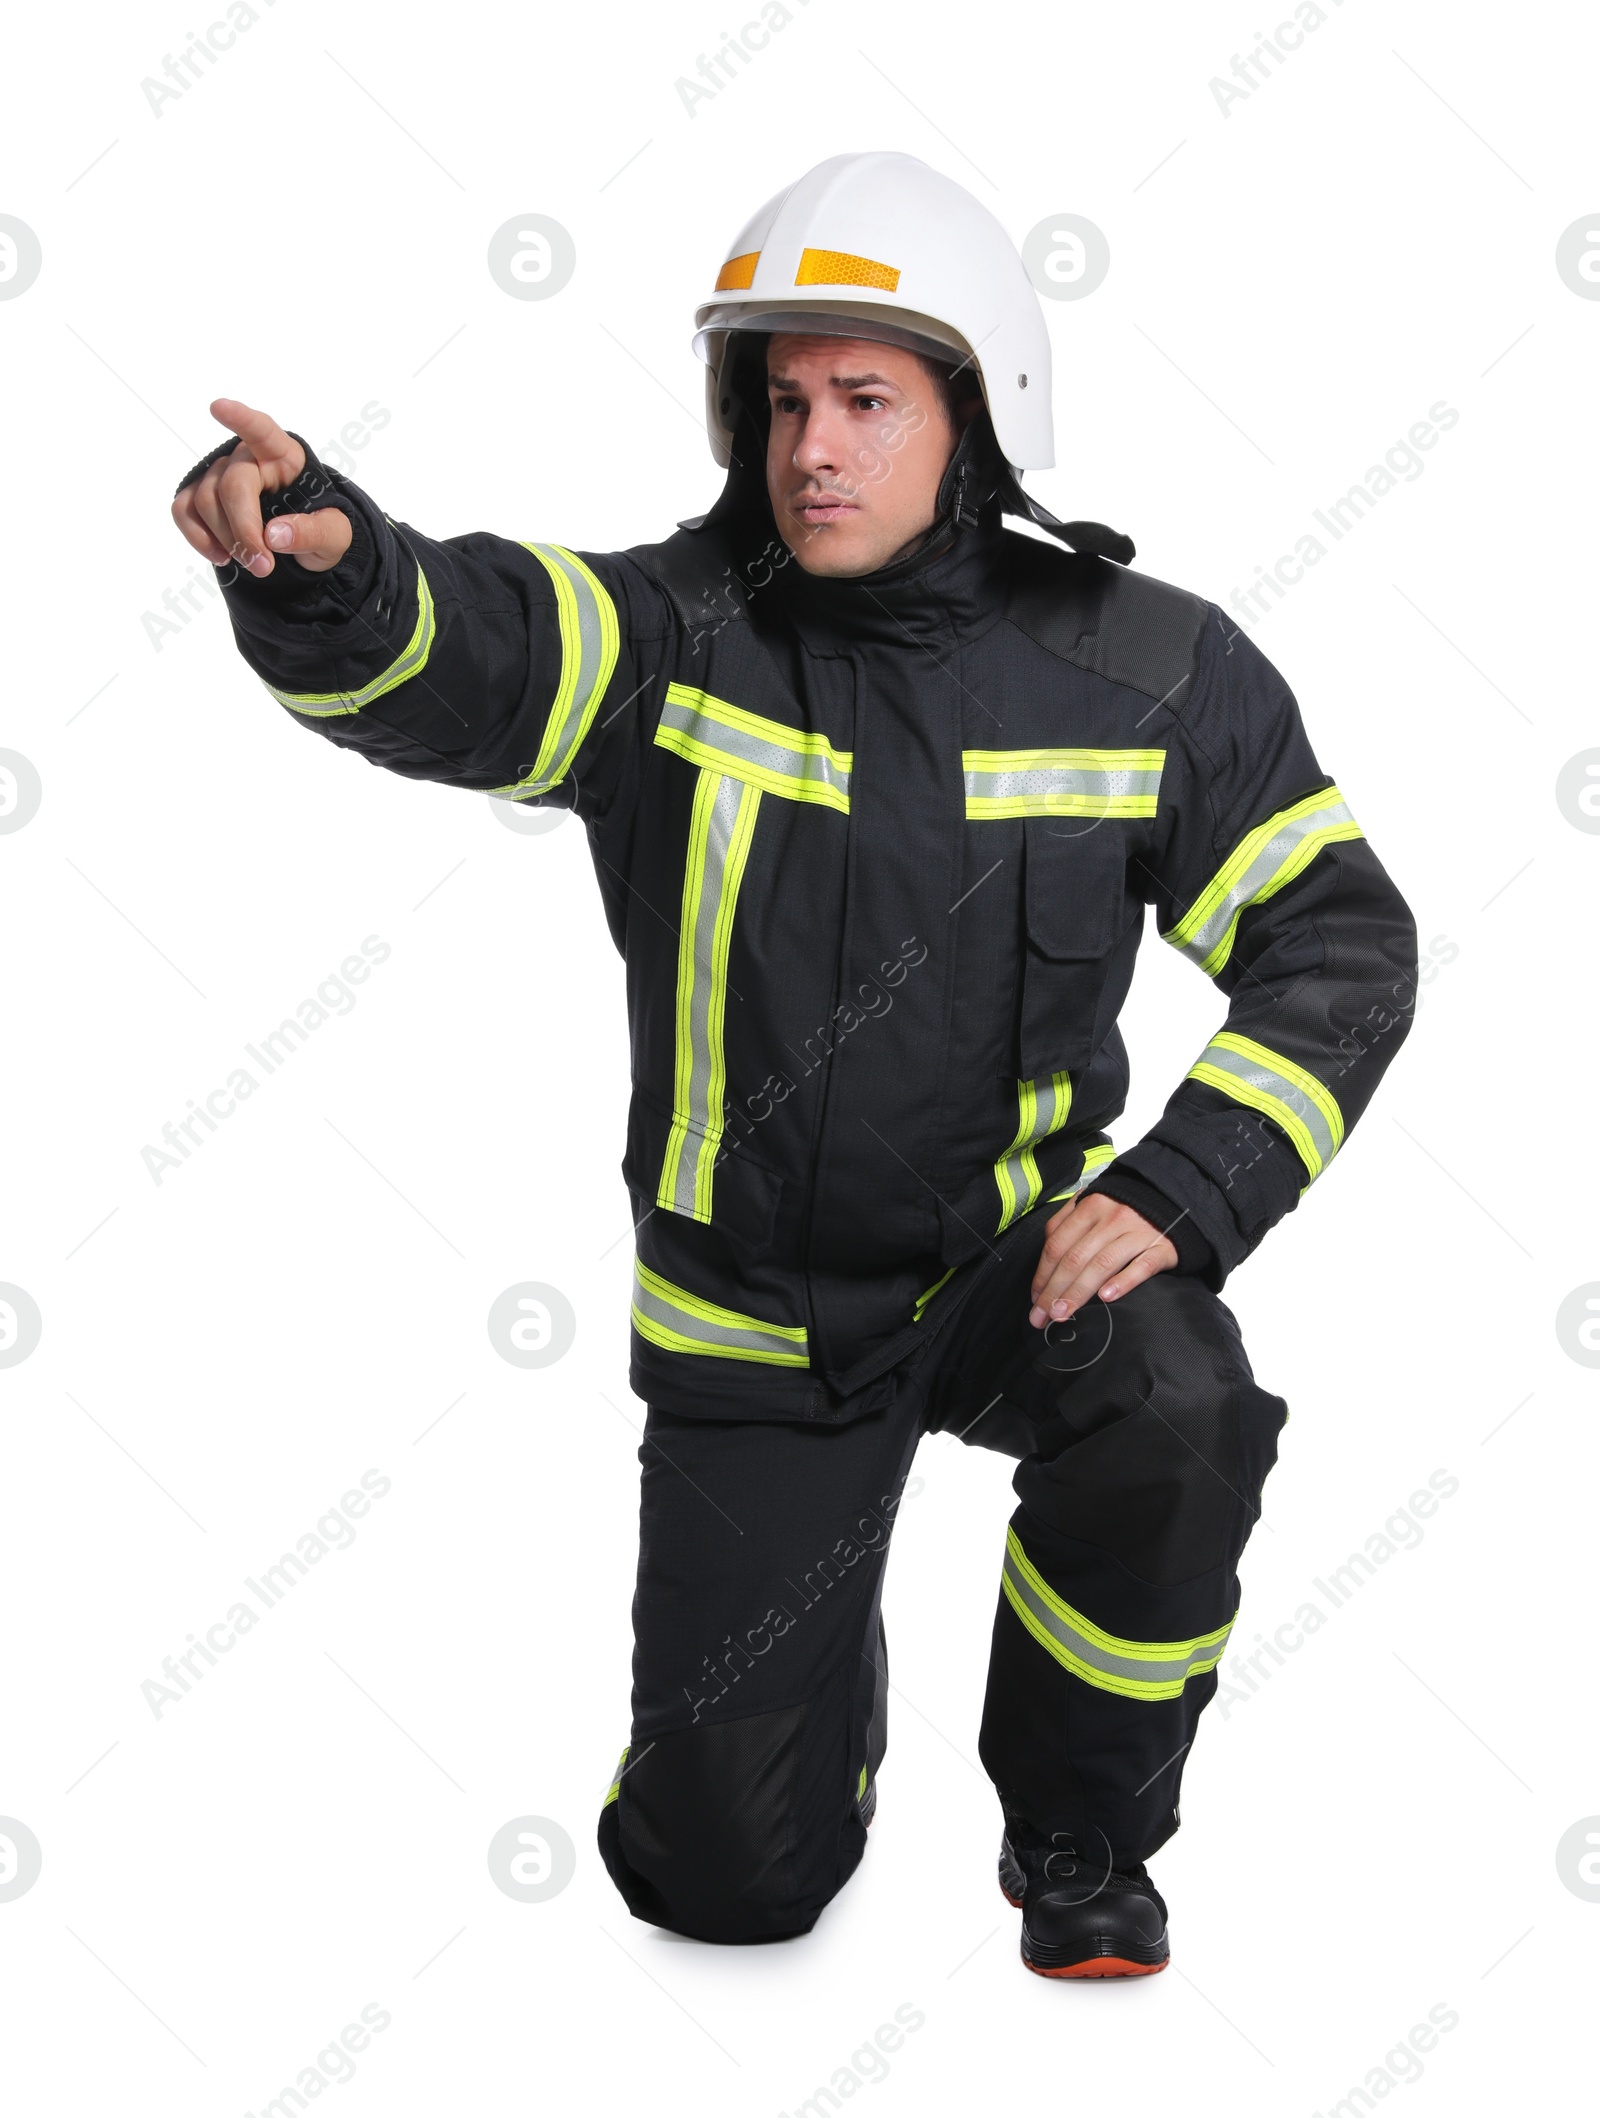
(953, 585)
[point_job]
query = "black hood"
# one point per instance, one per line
(978, 487)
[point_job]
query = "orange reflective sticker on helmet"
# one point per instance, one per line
(839, 268)
(737, 274)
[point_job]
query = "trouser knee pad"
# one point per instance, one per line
(710, 1834)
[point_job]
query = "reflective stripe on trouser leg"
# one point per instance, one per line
(1042, 1110)
(1133, 1669)
(720, 830)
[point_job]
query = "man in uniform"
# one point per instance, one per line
(878, 791)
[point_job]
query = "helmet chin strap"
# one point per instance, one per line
(977, 475)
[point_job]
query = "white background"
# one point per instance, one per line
(1371, 1831)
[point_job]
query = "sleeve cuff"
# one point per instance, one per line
(333, 593)
(1196, 1258)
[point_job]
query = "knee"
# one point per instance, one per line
(702, 1836)
(1204, 1387)
(1158, 1452)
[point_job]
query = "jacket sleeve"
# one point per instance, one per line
(1265, 881)
(507, 668)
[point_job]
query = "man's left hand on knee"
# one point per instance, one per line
(1095, 1245)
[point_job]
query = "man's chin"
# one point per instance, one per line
(835, 549)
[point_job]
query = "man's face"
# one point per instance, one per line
(860, 440)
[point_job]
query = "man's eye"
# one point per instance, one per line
(872, 404)
(787, 404)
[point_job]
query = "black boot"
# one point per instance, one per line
(1081, 1918)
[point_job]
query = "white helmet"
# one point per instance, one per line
(880, 246)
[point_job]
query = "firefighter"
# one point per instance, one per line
(878, 791)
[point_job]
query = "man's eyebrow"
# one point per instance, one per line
(840, 382)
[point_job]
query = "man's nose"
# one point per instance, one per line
(817, 449)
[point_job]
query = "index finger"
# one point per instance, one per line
(268, 440)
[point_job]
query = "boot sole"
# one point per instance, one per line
(1100, 1959)
(1097, 1967)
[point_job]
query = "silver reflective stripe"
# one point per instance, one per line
(793, 762)
(720, 829)
(616, 1785)
(1279, 1089)
(1271, 856)
(590, 637)
(1042, 1109)
(1093, 1162)
(1062, 782)
(681, 1322)
(1134, 1669)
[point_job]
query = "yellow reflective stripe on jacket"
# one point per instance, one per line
(322, 705)
(1280, 1090)
(1258, 868)
(1043, 1108)
(746, 746)
(670, 1316)
(927, 1295)
(720, 829)
(1093, 1162)
(590, 637)
(1062, 782)
(616, 1785)
(1133, 1669)
(741, 756)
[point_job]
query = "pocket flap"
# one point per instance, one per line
(744, 1194)
(1078, 901)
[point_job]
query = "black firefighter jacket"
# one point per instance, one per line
(876, 853)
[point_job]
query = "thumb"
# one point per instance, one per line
(317, 541)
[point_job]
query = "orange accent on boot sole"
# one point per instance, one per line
(1100, 1967)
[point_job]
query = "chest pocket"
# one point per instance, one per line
(1078, 913)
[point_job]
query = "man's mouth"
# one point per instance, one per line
(818, 508)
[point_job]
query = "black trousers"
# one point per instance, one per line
(760, 1668)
